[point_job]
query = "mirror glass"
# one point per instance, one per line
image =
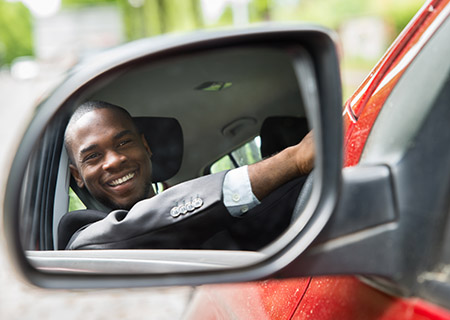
(201, 113)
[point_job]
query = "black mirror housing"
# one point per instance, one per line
(316, 67)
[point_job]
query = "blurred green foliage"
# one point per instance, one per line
(222, 164)
(332, 13)
(144, 18)
(399, 12)
(152, 17)
(74, 202)
(247, 154)
(15, 31)
(72, 3)
(259, 10)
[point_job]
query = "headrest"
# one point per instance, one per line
(278, 133)
(165, 139)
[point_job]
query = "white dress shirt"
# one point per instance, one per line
(237, 192)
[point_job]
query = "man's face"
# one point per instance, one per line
(111, 159)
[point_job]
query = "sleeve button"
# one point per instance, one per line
(244, 209)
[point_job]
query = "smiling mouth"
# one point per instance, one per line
(122, 180)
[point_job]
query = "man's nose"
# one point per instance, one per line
(113, 161)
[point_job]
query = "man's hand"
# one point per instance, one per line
(292, 162)
(305, 154)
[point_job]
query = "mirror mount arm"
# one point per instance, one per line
(364, 220)
(366, 202)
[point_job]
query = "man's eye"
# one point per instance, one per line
(122, 143)
(91, 157)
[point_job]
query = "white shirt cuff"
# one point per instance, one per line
(237, 192)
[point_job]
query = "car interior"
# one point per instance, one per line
(200, 113)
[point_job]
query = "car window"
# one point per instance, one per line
(74, 202)
(247, 154)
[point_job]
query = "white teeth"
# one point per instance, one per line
(122, 180)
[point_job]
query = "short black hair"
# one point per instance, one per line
(87, 107)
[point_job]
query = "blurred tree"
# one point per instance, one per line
(15, 31)
(71, 3)
(332, 13)
(145, 18)
(398, 12)
(225, 19)
(141, 18)
(260, 10)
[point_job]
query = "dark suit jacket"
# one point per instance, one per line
(149, 223)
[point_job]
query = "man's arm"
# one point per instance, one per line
(292, 162)
(150, 223)
(139, 227)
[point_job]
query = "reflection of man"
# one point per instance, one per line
(111, 159)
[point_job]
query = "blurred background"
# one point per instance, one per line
(40, 39)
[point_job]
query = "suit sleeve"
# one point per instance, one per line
(183, 216)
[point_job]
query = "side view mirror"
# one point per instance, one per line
(219, 88)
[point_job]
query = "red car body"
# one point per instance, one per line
(345, 297)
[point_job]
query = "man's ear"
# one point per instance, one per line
(144, 142)
(76, 175)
